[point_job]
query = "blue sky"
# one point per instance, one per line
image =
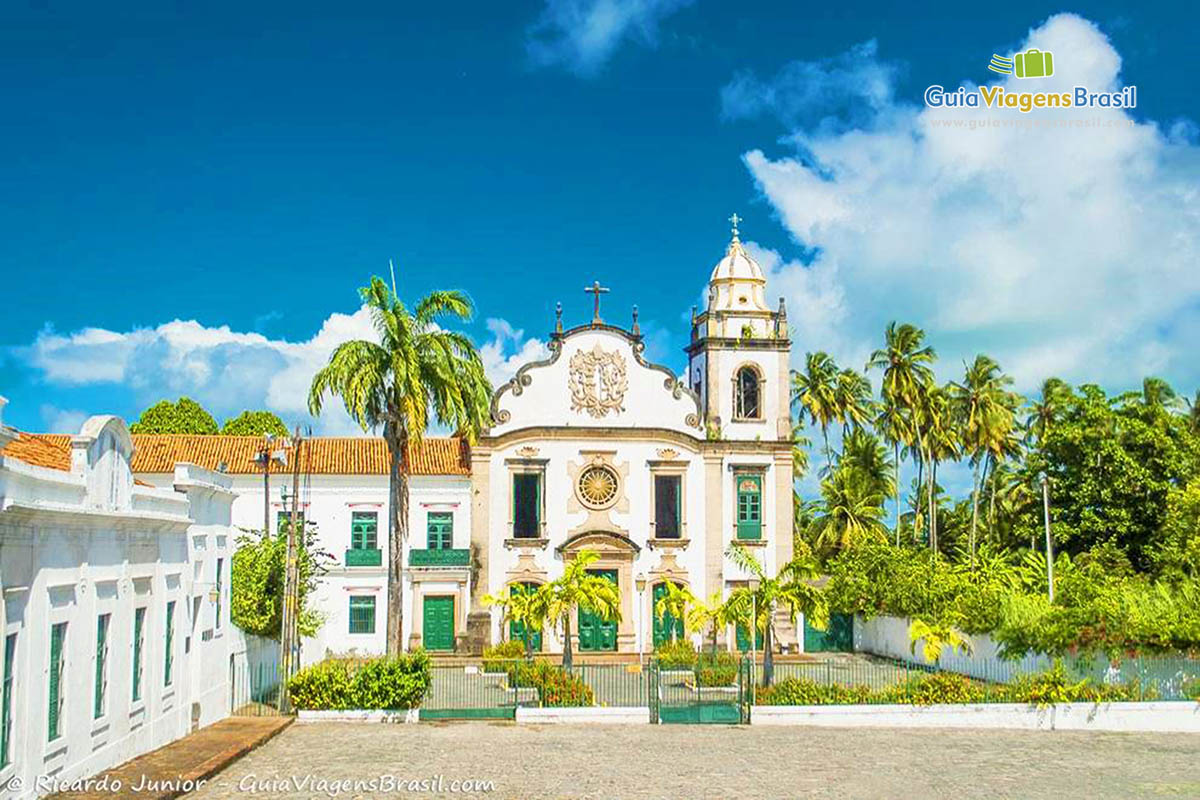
(195, 193)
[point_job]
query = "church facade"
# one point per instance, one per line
(595, 448)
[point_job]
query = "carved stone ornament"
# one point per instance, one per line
(527, 452)
(597, 382)
(668, 454)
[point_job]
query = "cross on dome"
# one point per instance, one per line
(596, 290)
(735, 219)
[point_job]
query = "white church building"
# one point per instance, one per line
(592, 447)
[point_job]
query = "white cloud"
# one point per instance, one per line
(226, 370)
(583, 34)
(62, 420)
(1058, 250)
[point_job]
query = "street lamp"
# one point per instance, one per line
(640, 583)
(1049, 542)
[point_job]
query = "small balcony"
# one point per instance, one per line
(460, 557)
(364, 558)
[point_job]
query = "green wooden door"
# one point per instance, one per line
(516, 630)
(838, 638)
(438, 623)
(664, 625)
(594, 633)
(749, 507)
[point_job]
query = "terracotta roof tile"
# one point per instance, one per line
(50, 450)
(158, 453)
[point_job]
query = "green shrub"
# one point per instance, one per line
(719, 669)
(556, 687)
(679, 654)
(498, 657)
(935, 688)
(805, 692)
(389, 683)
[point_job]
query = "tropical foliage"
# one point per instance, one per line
(254, 423)
(391, 683)
(256, 581)
(182, 416)
(415, 373)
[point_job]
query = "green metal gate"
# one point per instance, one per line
(677, 696)
(837, 638)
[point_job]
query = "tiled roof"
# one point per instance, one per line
(50, 450)
(158, 453)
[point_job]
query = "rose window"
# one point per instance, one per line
(598, 486)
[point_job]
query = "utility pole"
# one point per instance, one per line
(1049, 541)
(289, 630)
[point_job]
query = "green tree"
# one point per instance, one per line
(935, 638)
(183, 416)
(576, 589)
(850, 511)
(791, 588)
(417, 372)
(852, 400)
(254, 423)
(1176, 554)
(894, 423)
(814, 391)
(256, 581)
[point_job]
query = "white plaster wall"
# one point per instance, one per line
(888, 636)
(546, 400)
(69, 563)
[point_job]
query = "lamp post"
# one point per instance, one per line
(1049, 542)
(640, 583)
(752, 583)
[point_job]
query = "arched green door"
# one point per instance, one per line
(516, 630)
(664, 625)
(596, 634)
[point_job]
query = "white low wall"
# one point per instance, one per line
(395, 717)
(632, 715)
(888, 636)
(1166, 717)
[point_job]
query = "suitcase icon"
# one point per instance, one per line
(1034, 63)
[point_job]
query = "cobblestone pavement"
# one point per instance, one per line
(692, 762)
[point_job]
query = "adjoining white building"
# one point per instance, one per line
(114, 599)
(344, 491)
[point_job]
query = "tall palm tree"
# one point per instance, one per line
(894, 424)
(905, 360)
(852, 398)
(982, 406)
(790, 588)
(1157, 393)
(815, 392)
(1192, 409)
(417, 372)
(1044, 413)
(865, 455)
(800, 445)
(575, 589)
(941, 444)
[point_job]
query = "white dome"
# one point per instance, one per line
(737, 265)
(737, 282)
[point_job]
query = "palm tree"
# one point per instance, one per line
(905, 361)
(417, 372)
(815, 391)
(851, 511)
(935, 638)
(524, 606)
(1157, 393)
(852, 396)
(983, 407)
(894, 424)
(941, 444)
(578, 589)
(863, 453)
(675, 602)
(711, 615)
(800, 445)
(791, 588)
(1192, 409)
(1044, 413)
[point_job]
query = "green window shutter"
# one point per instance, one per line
(101, 688)
(749, 506)
(362, 614)
(58, 634)
(6, 722)
(440, 530)
(364, 530)
(527, 505)
(169, 654)
(139, 623)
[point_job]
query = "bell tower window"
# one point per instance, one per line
(747, 394)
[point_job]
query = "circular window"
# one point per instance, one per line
(598, 487)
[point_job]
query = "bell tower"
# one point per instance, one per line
(738, 355)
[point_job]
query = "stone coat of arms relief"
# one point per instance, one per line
(597, 382)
